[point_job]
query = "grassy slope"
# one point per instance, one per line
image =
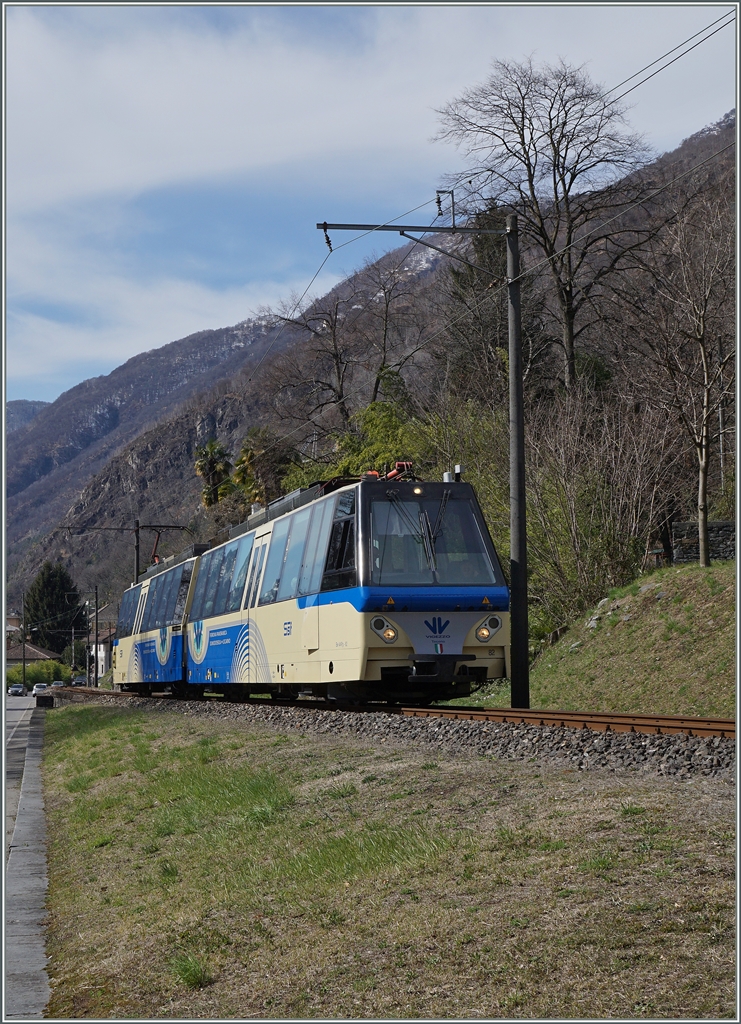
(664, 644)
(202, 870)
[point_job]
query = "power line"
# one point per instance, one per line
(316, 275)
(669, 63)
(670, 52)
(728, 15)
(639, 202)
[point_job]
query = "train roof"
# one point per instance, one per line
(275, 509)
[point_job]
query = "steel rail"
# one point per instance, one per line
(594, 720)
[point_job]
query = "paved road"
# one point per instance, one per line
(26, 990)
(17, 716)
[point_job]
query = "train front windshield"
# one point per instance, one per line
(423, 541)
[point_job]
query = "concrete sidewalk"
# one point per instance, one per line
(27, 987)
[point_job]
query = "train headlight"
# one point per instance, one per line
(487, 629)
(384, 629)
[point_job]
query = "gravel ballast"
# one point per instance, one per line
(675, 755)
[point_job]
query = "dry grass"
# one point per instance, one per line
(201, 871)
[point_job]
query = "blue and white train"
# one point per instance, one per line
(378, 588)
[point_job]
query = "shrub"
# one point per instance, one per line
(39, 672)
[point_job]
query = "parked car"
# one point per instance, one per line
(58, 682)
(39, 688)
(17, 690)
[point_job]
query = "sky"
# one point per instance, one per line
(165, 166)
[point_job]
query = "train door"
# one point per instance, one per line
(257, 662)
(140, 609)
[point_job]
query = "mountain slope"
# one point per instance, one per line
(115, 406)
(20, 412)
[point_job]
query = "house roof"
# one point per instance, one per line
(33, 653)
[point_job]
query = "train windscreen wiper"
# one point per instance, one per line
(421, 533)
(429, 541)
(439, 518)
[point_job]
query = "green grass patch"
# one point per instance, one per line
(208, 872)
(664, 644)
(191, 971)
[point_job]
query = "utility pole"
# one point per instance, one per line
(519, 650)
(157, 527)
(95, 676)
(23, 638)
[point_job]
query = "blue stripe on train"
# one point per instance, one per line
(171, 649)
(414, 599)
(218, 664)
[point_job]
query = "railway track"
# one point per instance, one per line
(595, 721)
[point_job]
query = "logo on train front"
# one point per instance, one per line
(437, 627)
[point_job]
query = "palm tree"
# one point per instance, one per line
(214, 465)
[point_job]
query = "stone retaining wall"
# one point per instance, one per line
(686, 546)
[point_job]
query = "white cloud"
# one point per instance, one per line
(134, 318)
(135, 109)
(122, 316)
(111, 103)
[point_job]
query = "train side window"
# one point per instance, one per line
(127, 614)
(160, 608)
(345, 505)
(294, 555)
(140, 608)
(212, 583)
(224, 582)
(171, 598)
(339, 570)
(316, 548)
(151, 601)
(234, 601)
(274, 563)
(257, 560)
(204, 568)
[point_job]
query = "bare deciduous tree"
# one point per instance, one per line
(599, 475)
(550, 144)
(678, 317)
(357, 339)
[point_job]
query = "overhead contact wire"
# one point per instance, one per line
(728, 14)
(669, 63)
(316, 275)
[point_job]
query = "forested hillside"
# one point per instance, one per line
(628, 334)
(20, 412)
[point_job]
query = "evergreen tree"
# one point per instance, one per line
(53, 608)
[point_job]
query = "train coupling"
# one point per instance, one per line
(438, 668)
